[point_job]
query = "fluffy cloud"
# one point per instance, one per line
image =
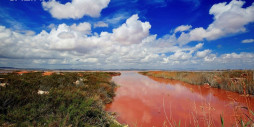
(72, 42)
(66, 35)
(62, 38)
(128, 46)
(248, 41)
(210, 58)
(84, 27)
(75, 9)
(242, 60)
(229, 19)
(182, 54)
(131, 32)
(182, 28)
(203, 53)
(100, 24)
(16, 45)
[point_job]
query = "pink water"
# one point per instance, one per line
(146, 101)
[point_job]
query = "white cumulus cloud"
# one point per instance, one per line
(228, 18)
(75, 9)
(182, 28)
(84, 27)
(100, 24)
(66, 35)
(131, 32)
(203, 53)
(129, 46)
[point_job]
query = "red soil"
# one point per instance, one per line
(47, 73)
(22, 72)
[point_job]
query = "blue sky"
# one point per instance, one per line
(120, 34)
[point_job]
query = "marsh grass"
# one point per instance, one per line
(243, 116)
(240, 81)
(66, 104)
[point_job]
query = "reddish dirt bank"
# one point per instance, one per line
(22, 72)
(47, 73)
(146, 101)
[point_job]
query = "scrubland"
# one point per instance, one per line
(57, 99)
(240, 81)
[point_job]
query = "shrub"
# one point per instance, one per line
(66, 104)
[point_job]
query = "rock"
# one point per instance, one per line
(42, 92)
(2, 84)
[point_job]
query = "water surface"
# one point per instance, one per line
(147, 101)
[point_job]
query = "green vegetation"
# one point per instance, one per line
(222, 121)
(240, 81)
(250, 119)
(250, 116)
(68, 99)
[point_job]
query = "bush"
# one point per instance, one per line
(65, 104)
